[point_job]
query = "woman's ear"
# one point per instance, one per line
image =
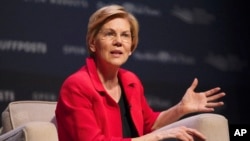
(92, 45)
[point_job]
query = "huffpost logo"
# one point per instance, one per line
(23, 46)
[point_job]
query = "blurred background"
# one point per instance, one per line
(43, 41)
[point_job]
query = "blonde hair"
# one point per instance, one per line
(98, 19)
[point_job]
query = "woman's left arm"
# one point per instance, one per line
(191, 102)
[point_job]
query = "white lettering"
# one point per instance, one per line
(44, 96)
(7, 95)
(75, 50)
(71, 3)
(193, 16)
(136, 8)
(23, 46)
(165, 57)
(240, 132)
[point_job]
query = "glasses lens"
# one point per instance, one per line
(111, 35)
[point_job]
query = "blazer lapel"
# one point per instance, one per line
(132, 93)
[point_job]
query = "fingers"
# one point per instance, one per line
(214, 104)
(194, 84)
(212, 97)
(215, 96)
(194, 132)
(182, 133)
(188, 134)
(212, 91)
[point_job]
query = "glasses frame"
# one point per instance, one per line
(110, 34)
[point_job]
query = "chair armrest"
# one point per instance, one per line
(32, 131)
(213, 126)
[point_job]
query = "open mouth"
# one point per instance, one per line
(116, 52)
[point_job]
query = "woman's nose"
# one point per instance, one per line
(117, 41)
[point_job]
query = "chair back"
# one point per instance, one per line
(21, 112)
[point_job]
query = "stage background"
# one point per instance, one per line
(43, 41)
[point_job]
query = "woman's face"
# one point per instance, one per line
(112, 45)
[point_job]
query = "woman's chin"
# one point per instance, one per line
(118, 62)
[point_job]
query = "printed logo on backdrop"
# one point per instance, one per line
(23, 46)
(165, 57)
(139, 9)
(41, 95)
(193, 16)
(70, 3)
(227, 62)
(7, 95)
(157, 102)
(74, 50)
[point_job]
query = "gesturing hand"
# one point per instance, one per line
(200, 101)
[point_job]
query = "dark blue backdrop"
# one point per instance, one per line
(43, 41)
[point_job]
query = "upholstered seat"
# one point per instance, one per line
(213, 126)
(35, 121)
(29, 121)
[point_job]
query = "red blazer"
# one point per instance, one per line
(85, 112)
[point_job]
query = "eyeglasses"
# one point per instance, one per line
(111, 35)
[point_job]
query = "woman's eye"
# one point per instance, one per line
(126, 35)
(110, 34)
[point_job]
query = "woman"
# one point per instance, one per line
(102, 102)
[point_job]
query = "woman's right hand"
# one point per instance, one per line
(181, 133)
